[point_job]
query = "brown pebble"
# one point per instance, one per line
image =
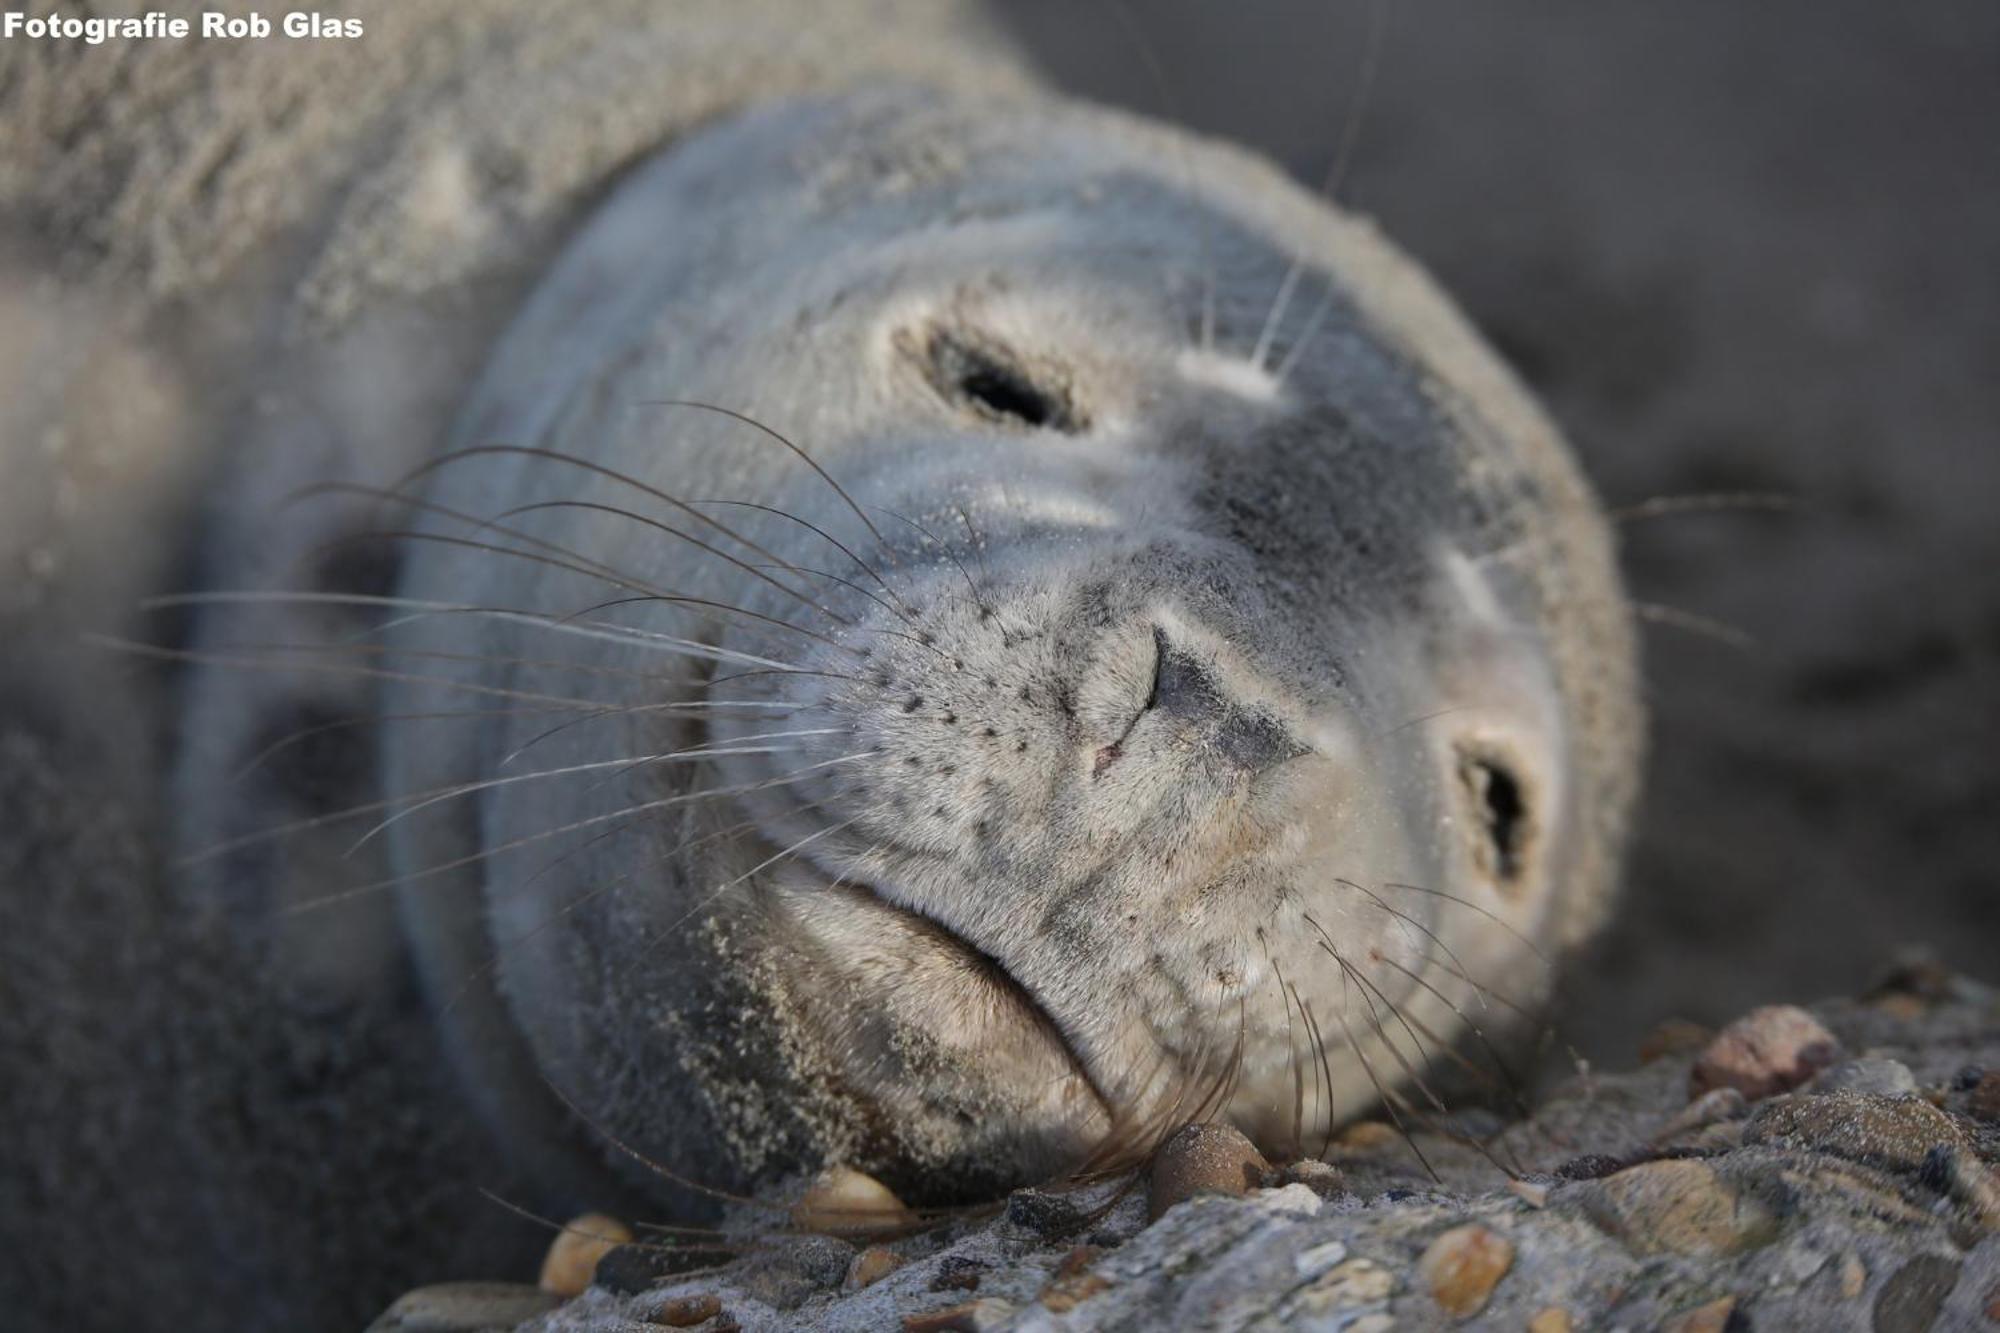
(1553, 1319)
(1463, 1266)
(1901, 1006)
(1892, 1132)
(871, 1266)
(572, 1259)
(1204, 1159)
(687, 1311)
(1073, 1283)
(1675, 1036)
(972, 1317)
(1367, 1136)
(1983, 1102)
(1910, 1300)
(846, 1202)
(1710, 1318)
(1765, 1052)
(1853, 1277)
(1678, 1206)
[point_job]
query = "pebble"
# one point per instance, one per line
(1204, 1159)
(1322, 1178)
(786, 1272)
(1715, 1106)
(1710, 1318)
(972, 1317)
(1366, 1136)
(1675, 1036)
(957, 1273)
(1551, 1319)
(1765, 1052)
(846, 1202)
(1969, 1183)
(687, 1311)
(572, 1259)
(1534, 1193)
(1871, 1074)
(1853, 1277)
(1043, 1212)
(1679, 1206)
(1910, 1300)
(871, 1266)
(1073, 1283)
(1299, 1200)
(1892, 1132)
(1355, 1282)
(464, 1307)
(1983, 1102)
(1312, 1262)
(1463, 1266)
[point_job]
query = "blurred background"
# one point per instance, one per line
(1735, 247)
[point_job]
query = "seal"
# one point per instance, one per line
(951, 632)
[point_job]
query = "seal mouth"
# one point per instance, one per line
(865, 897)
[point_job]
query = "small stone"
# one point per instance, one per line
(1870, 1074)
(1901, 1006)
(1910, 1300)
(1463, 1266)
(463, 1307)
(1892, 1132)
(572, 1259)
(1204, 1159)
(1367, 1136)
(1710, 1318)
(1590, 1166)
(1322, 1178)
(871, 1266)
(846, 1202)
(1983, 1103)
(1765, 1052)
(1355, 1282)
(1312, 1262)
(958, 1273)
(1073, 1283)
(1715, 1106)
(1044, 1212)
(972, 1317)
(1853, 1277)
(1298, 1200)
(787, 1271)
(1679, 1206)
(687, 1311)
(1534, 1193)
(1551, 1319)
(1675, 1036)
(1969, 1183)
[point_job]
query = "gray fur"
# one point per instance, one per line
(1235, 642)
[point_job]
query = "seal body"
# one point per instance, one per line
(936, 629)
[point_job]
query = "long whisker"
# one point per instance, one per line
(802, 455)
(626, 762)
(591, 821)
(829, 538)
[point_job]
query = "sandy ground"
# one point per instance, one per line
(1737, 247)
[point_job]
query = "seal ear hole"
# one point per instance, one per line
(1503, 816)
(992, 381)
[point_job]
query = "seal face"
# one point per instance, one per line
(982, 655)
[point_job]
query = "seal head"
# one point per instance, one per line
(1126, 653)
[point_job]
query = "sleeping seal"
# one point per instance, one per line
(931, 628)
